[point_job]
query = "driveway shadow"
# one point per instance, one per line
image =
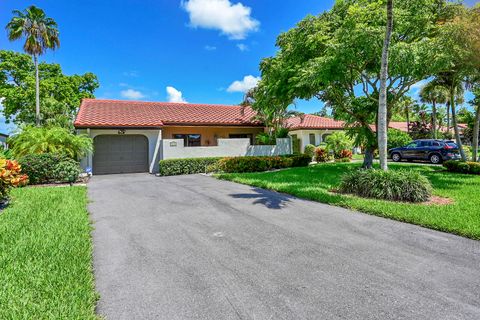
(269, 199)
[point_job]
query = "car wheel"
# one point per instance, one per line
(396, 157)
(435, 158)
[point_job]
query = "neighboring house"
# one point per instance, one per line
(3, 140)
(132, 136)
(311, 129)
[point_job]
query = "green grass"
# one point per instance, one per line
(46, 255)
(462, 217)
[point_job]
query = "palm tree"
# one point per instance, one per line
(433, 93)
(40, 33)
(382, 100)
(453, 84)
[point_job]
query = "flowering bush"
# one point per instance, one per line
(10, 176)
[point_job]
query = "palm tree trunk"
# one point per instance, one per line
(434, 119)
(455, 125)
(382, 100)
(37, 92)
(476, 128)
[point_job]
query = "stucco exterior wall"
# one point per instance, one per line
(175, 149)
(154, 137)
(210, 135)
(304, 136)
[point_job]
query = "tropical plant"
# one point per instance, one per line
(49, 168)
(37, 140)
(10, 176)
(60, 94)
(433, 93)
(337, 142)
(40, 33)
(321, 155)
(395, 185)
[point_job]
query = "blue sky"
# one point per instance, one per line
(138, 49)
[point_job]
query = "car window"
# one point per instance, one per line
(452, 144)
(412, 145)
(425, 143)
(436, 144)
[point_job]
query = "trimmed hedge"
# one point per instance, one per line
(49, 168)
(395, 185)
(462, 166)
(257, 164)
(310, 150)
(172, 167)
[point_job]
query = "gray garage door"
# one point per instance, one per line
(120, 154)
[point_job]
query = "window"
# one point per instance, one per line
(412, 145)
(312, 138)
(436, 144)
(425, 143)
(241, 136)
(189, 140)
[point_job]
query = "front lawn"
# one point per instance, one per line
(46, 255)
(462, 217)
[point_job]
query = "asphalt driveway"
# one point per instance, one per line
(193, 247)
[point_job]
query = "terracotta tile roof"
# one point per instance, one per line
(119, 113)
(310, 121)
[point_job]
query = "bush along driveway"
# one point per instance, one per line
(46, 255)
(195, 247)
(460, 215)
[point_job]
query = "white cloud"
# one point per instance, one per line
(233, 20)
(173, 95)
(210, 48)
(244, 85)
(242, 47)
(132, 94)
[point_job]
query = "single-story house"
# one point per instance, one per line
(312, 129)
(132, 136)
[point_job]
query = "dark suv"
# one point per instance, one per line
(432, 150)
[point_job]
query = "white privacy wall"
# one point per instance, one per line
(175, 149)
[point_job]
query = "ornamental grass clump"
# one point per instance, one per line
(394, 185)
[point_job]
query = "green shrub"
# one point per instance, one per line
(321, 155)
(300, 160)
(55, 140)
(263, 138)
(343, 159)
(49, 168)
(310, 150)
(395, 185)
(397, 138)
(462, 167)
(67, 170)
(172, 167)
(254, 164)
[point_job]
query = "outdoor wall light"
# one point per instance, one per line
(121, 131)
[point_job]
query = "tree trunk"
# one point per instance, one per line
(408, 119)
(368, 158)
(434, 119)
(455, 125)
(476, 127)
(448, 116)
(37, 92)
(382, 100)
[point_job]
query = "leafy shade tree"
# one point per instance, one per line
(40, 33)
(476, 126)
(382, 101)
(56, 140)
(434, 94)
(60, 94)
(336, 57)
